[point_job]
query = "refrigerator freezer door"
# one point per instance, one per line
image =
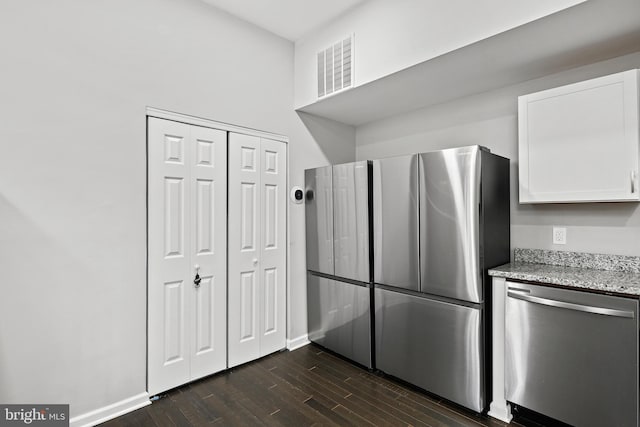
(395, 222)
(351, 220)
(449, 223)
(432, 344)
(319, 219)
(339, 317)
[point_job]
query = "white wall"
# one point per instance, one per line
(394, 35)
(490, 119)
(334, 143)
(76, 78)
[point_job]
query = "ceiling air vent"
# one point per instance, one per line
(335, 67)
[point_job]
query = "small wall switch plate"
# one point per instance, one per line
(559, 236)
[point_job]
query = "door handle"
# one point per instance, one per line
(572, 306)
(197, 279)
(524, 291)
(255, 261)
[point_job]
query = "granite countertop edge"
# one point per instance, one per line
(618, 282)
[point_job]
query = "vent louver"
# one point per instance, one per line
(335, 67)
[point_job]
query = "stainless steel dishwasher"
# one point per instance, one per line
(572, 355)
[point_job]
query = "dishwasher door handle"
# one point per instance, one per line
(572, 306)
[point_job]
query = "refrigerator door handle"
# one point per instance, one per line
(572, 306)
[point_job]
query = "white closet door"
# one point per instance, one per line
(209, 251)
(186, 226)
(273, 215)
(244, 248)
(169, 266)
(257, 252)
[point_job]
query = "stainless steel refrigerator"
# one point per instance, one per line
(440, 220)
(339, 289)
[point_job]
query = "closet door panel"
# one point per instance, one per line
(208, 251)
(169, 266)
(187, 180)
(245, 240)
(273, 254)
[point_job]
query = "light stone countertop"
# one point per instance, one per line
(619, 282)
(619, 274)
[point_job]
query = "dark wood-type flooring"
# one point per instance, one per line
(305, 387)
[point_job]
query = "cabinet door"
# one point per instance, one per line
(187, 223)
(579, 143)
(257, 251)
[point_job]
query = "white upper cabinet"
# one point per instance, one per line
(579, 143)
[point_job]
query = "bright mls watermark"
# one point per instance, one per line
(36, 415)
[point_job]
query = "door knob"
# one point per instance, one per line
(255, 261)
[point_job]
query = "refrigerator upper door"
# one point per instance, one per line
(351, 220)
(449, 223)
(319, 219)
(395, 222)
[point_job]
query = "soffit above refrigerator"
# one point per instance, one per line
(593, 31)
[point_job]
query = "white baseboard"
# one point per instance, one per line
(109, 412)
(501, 411)
(296, 343)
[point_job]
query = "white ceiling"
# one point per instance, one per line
(291, 19)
